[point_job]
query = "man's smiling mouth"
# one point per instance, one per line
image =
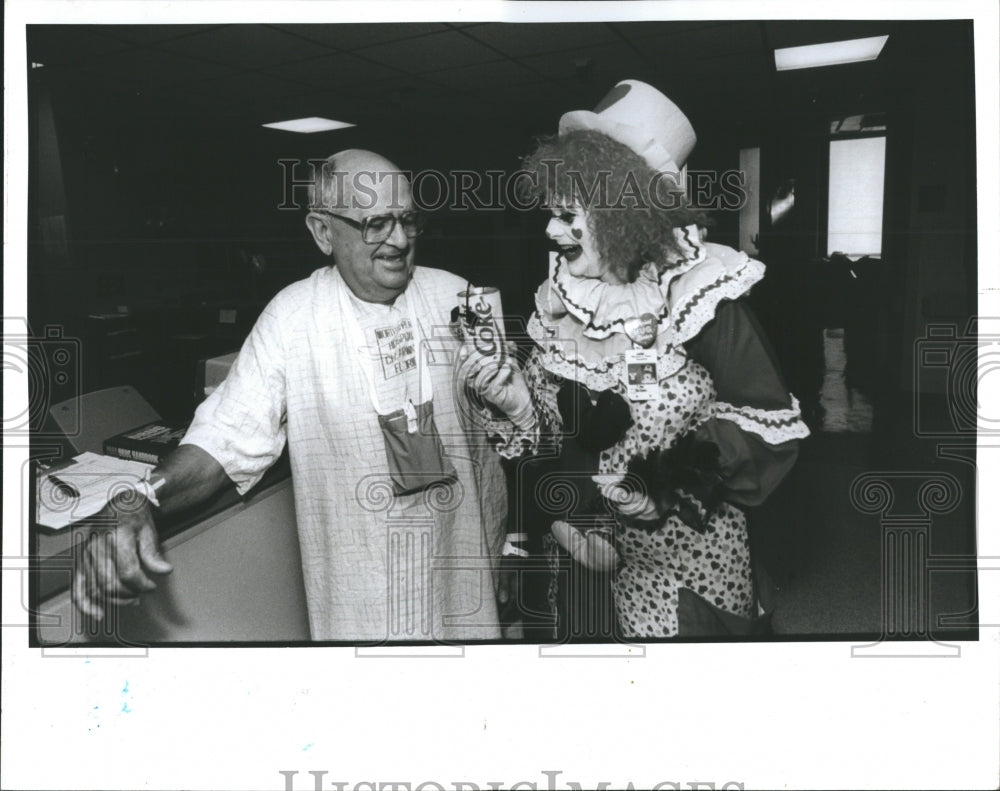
(392, 259)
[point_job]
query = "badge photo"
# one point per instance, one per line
(642, 376)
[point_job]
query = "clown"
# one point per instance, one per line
(650, 382)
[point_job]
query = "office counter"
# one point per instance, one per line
(237, 577)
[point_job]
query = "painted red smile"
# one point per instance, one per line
(570, 252)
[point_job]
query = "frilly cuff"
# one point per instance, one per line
(774, 426)
(509, 440)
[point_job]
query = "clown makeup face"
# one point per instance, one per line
(569, 231)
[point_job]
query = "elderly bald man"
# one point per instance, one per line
(400, 505)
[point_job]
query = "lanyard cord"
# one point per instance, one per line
(356, 344)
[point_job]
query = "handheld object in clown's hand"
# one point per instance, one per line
(480, 319)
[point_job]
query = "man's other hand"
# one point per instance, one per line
(118, 557)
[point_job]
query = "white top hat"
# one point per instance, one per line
(640, 117)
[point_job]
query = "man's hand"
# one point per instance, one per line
(120, 553)
(592, 548)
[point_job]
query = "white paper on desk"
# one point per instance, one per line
(96, 478)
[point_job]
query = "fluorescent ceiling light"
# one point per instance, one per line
(308, 125)
(830, 54)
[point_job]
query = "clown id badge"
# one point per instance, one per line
(642, 375)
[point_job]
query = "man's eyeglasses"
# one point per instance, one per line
(378, 228)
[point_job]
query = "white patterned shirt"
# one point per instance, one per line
(377, 566)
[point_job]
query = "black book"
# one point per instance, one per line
(148, 443)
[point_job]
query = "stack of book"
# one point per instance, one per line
(148, 443)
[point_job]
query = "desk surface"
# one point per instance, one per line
(237, 577)
(54, 550)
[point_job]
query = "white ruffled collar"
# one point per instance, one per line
(604, 309)
(576, 349)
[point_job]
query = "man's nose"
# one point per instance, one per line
(398, 237)
(554, 229)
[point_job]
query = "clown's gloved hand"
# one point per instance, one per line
(498, 381)
(592, 547)
(684, 479)
(628, 496)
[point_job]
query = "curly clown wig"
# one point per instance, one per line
(631, 208)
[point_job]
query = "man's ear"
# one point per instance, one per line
(320, 232)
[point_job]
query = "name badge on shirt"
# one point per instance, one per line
(642, 374)
(397, 348)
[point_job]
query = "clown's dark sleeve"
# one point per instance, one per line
(756, 422)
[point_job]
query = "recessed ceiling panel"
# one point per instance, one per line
(362, 34)
(247, 46)
(519, 40)
(437, 51)
(334, 71)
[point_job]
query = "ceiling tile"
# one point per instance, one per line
(520, 40)
(795, 33)
(134, 74)
(334, 71)
(247, 46)
(338, 105)
(152, 34)
(151, 65)
(66, 44)
(362, 34)
(431, 53)
(648, 29)
(252, 87)
(484, 76)
(599, 66)
(407, 73)
(710, 41)
(724, 69)
(413, 94)
(553, 98)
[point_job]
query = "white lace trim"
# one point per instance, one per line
(509, 440)
(600, 374)
(698, 309)
(604, 308)
(774, 426)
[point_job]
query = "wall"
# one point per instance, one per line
(940, 275)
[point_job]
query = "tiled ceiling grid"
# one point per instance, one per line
(364, 72)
